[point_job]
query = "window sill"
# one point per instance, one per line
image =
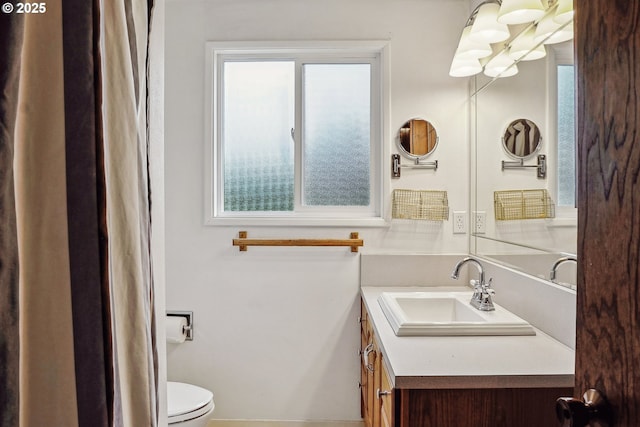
(297, 222)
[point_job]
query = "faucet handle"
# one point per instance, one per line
(487, 289)
(486, 303)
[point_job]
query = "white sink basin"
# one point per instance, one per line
(447, 314)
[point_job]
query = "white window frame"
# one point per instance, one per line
(375, 52)
(566, 216)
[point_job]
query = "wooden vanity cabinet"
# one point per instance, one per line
(377, 404)
(383, 406)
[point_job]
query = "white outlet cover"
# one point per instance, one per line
(481, 222)
(459, 222)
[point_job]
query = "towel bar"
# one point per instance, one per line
(243, 242)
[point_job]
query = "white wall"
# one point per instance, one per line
(275, 328)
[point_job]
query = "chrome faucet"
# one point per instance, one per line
(482, 291)
(552, 275)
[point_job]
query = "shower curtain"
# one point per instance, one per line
(76, 290)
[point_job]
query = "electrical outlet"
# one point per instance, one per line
(459, 222)
(481, 222)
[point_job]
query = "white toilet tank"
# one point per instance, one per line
(188, 405)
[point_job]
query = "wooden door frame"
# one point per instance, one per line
(608, 139)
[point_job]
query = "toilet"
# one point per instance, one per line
(188, 405)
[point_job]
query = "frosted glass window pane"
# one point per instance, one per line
(259, 103)
(566, 136)
(337, 133)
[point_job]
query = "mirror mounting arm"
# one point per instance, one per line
(541, 166)
(396, 165)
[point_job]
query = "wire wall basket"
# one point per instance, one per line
(429, 205)
(523, 204)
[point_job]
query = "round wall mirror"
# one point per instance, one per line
(522, 138)
(417, 138)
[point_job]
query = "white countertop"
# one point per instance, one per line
(468, 361)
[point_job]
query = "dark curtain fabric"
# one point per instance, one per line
(11, 27)
(77, 317)
(86, 210)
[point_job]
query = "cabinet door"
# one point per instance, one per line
(377, 395)
(367, 370)
(364, 322)
(478, 407)
(386, 396)
(376, 404)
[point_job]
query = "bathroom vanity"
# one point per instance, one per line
(461, 381)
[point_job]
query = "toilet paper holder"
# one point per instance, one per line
(188, 329)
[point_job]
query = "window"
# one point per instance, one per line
(295, 133)
(566, 137)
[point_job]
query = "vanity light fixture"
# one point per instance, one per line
(524, 48)
(489, 25)
(501, 65)
(485, 27)
(461, 67)
(466, 59)
(469, 48)
(520, 11)
(549, 31)
(481, 29)
(564, 12)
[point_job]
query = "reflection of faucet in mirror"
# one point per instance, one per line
(482, 291)
(552, 275)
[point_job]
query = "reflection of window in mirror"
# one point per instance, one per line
(566, 136)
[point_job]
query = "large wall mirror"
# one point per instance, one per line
(532, 245)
